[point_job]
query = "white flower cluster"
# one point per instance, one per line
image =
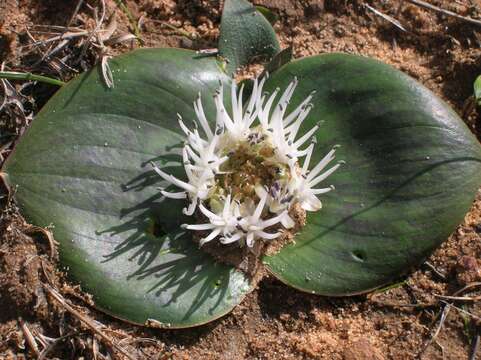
(204, 155)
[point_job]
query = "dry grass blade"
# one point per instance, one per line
(56, 49)
(429, 6)
(4, 100)
(128, 13)
(388, 18)
(64, 36)
(109, 29)
(95, 348)
(13, 105)
(47, 234)
(53, 343)
(458, 298)
(442, 319)
(106, 72)
(443, 354)
(87, 321)
(475, 317)
(139, 340)
(467, 287)
(75, 12)
(475, 346)
(97, 28)
(120, 39)
(29, 337)
(395, 304)
(435, 271)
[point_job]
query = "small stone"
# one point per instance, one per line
(314, 9)
(477, 228)
(315, 27)
(467, 270)
(339, 31)
(186, 43)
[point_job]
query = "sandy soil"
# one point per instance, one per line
(274, 322)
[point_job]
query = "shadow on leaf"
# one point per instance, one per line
(168, 263)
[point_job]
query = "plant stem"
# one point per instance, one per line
(13, 75)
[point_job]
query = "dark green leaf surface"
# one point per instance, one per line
(279, 60)
(245, 34)
(83, 166)
(412, 169)
(270, 15)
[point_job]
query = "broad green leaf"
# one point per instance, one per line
(83, 166)
(245, 35)
(412, 169)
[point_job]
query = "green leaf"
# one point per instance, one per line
(245, 35)
(83, 166)
(412, 169)
(477, 90)
(270, 15)
(279, 60)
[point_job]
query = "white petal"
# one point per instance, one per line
(199, 111)
(177, 195)
(268, 236)
(322, 164)
(273, 221)
(207, 212)
(307, 160)
(306, 136)
(321, 191)
(250, 239)
(199, 227)
(260, 206)
(324, 175)
(226, 210)
(230, 239)
(264, 114)
(287, 222)
(296, 113)
(210, 237)
(174, 180)
(311, 203)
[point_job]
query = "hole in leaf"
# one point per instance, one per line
(359, 255)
